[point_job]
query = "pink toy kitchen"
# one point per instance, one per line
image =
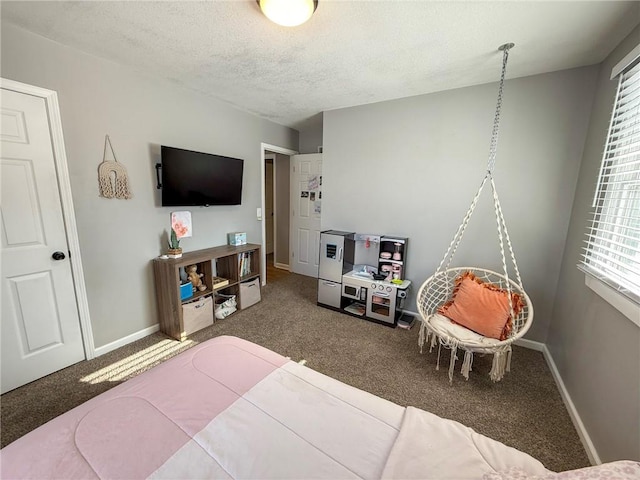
(363, 275)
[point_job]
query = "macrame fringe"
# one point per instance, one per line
(423, 335)
(452, 363)
(501, 359)
(501, 364)
(466, 364)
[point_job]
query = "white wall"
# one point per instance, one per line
(119, 238)
(410, 167)
(597, 349)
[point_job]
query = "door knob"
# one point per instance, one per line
(58, 256)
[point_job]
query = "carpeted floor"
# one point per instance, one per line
(524, 410)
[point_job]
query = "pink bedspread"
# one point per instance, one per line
(130, 431)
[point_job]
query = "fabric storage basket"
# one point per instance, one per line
(249, 293)
(225, 305)
(197, 314)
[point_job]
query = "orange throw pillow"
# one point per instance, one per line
(481, 307)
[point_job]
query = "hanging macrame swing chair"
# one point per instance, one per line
(440, 289)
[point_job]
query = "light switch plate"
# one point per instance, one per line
(259, 213)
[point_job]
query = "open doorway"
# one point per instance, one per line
(275, 208)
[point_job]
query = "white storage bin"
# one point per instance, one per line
(249, 293)
(197, 314)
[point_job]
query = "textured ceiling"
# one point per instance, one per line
(349, 53)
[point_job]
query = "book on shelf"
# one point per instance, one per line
(219, 282)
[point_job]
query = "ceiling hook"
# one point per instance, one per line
(506, 46)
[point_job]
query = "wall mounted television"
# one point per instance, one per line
(199, 179)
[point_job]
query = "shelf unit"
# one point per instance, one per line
(237, 264)
(393, 251)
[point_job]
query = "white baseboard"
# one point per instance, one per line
(530, 344)
(594, 458)
(282, 266)
(126, 340)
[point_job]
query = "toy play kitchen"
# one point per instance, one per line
(363, 275)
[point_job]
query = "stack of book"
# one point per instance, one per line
(244, 264)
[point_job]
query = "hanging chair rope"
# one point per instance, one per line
(438, 288)
(493, 146)
(502, 228)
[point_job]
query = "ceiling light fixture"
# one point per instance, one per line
(288, 13)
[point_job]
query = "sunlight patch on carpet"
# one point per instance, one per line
(136, 363)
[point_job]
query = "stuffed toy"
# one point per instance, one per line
(195, 278)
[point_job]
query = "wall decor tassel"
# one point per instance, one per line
(112, 176)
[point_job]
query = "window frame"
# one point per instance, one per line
(609, 290)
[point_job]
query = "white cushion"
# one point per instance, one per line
(445, 327)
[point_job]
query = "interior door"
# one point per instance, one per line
(268, 205)
(40, 325)
(306, 210)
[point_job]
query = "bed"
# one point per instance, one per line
(228, 408)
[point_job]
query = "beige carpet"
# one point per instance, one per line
(524, 410)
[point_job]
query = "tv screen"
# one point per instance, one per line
(202, 179)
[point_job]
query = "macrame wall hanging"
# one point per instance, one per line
(112, 176)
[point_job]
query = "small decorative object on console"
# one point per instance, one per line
(237, 238)
(180, 228)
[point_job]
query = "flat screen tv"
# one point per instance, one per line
(199, 179)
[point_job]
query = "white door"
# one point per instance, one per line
(40, 325)
(306, 209)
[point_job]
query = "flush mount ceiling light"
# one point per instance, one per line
(288, 13)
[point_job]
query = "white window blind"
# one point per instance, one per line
(612, 251)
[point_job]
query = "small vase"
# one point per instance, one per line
(174, 252)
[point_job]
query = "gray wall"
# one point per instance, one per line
(596, 349)
(311, 134)
(410, 167)
(282, 208)
(119, 238)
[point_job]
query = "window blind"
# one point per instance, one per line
(612, 250)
